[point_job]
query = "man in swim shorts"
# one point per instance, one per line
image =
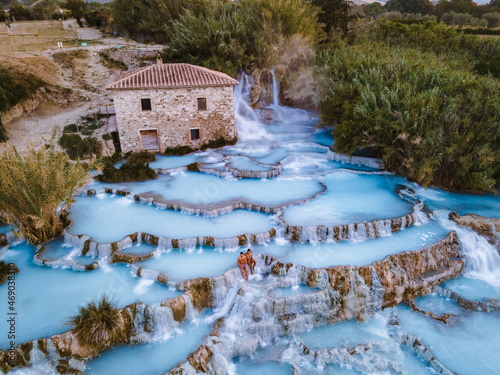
(242, 263)
(251, 262)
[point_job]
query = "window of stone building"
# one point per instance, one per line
(195, 134)
(146, 104)
(202, 104)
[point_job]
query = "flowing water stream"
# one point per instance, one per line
(319, 209)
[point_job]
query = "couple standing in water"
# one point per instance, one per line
(243, 260)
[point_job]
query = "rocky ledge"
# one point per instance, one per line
(484, 226)
(345, 292)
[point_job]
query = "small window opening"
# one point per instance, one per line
(146, 104)
(202, 104)
(195, 134)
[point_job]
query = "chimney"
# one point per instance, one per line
(159, 61)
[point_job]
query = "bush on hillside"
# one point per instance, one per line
(14, 87)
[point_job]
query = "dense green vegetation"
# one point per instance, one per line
(80, 148)
(15, 87)
(98, 324)
(419, 94)
(135, 168)
(5, 270)
(242, 35)
(408, 93)
(36, 191)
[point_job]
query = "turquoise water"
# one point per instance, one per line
(351, 198)
(47, 297)
(336, 193)
(468, 346)
(202, 189)
(472, 289)
(245, 164)
(486, 205)
(151, 358)
(355, 253)
(180, 265)
(107, 219)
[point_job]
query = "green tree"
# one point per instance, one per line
(20, 13)
(493, 19)
(242, 35)
(410, 6)
(495, 4)
(77, 9)
(148, 20)
(36, 191)
(447, 18)
(373, 10)
(461, 19)
(457, 6)
(336, 14)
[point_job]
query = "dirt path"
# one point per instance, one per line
(87, 80)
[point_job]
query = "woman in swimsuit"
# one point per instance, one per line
(251, 262)
(242, 263)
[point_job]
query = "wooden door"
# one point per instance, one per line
(149, 139)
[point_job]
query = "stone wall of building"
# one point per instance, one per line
(174, 112)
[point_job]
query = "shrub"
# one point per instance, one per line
(70, 141)
(480, 31)
(193, 167)
(36, 191)
(489, 66)
(219, 142)
(184, 150)
(179, 150)
(136, 168)
(67, 59)
(71, 128)
(5, 270)
(90, 125)
(97, 325)
(434, 124)
(111, 63)
(78, 148)
(454, 48)
(14, 87)
(107, 137)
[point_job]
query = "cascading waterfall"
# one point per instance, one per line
(483, 260)
(276, 90)
(249, 125)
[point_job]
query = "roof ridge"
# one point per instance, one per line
(131, 74)
(206, 70)
(172, 75)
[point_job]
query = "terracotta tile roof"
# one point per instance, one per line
(170, 76)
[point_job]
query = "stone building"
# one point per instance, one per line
(170, 105)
